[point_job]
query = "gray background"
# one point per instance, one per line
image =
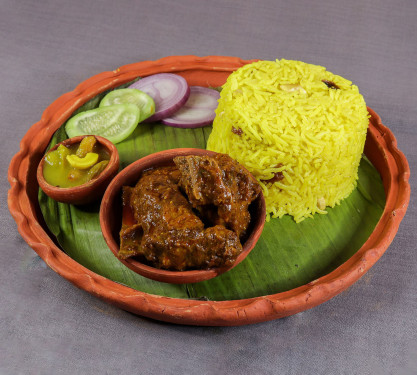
(47, 326)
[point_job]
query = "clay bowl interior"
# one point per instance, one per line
(90, 191)
(111, 218)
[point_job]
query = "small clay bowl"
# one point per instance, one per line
(111, 218)
(91, 190)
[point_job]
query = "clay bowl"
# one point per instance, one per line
(111, 215)
(90, 191)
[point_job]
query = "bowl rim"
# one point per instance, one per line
(380, 147)
(73, 194)
(176, 277)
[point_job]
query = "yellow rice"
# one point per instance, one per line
(314, 135)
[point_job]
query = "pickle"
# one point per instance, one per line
(64, 167)
(86, 146)
(63, 153)
(97, 169)
(75, 175)
(57, 157)
(53, 158)
(83, 163)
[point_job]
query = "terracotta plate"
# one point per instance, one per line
(381, 149)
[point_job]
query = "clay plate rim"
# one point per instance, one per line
(135, 169)
(380, 148)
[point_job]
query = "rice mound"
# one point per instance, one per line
(298, 128)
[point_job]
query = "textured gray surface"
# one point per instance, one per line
(47, 47)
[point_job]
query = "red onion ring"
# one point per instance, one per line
(169, 92)
(198, 111)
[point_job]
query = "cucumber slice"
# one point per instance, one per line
(115, 122)
(133, 96)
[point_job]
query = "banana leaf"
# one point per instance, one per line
(287, 255)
